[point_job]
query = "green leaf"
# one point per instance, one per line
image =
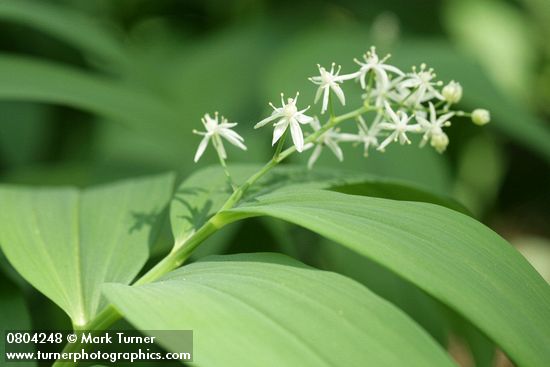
(417, 304)
(27, 79)
(73, 27)
(205, 192)
(199, 197)
(67, 242)
(287, 314)
(393, 189)
(449, 255)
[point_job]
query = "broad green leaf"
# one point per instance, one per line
(436, 319)
(287, 314)
(449, 255)
(73, 27)
(199, 197)
(27, 79)
(396, 190)
(417, 304)
(67, 242)
(203, 193)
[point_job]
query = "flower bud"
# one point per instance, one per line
(439, 142)
(452, 92)
(481, 116)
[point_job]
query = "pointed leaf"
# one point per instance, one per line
(67, 242)
(285, 313)
(204, 193)
(451, 256)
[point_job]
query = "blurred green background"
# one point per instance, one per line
(94, 91)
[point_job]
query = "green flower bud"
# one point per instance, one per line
(452, 92)
(440, 142)
(481, 116)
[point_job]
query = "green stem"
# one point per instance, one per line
(180, 254)
(217, 145)
(280, 144)
(102, 321)
(330, 106)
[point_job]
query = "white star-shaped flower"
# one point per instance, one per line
(399, 127)
(328, 80)
(329, 138)
(376, 65)
(288, 115)
(368, 136)
(216, 131)
(433, 127)
(392, 91)
(422, 82)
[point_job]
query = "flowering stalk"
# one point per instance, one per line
(392, 100)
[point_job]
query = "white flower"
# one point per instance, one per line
(377, 66)
(392, 91)
(452, 92)
(329, 138)
(481, 116)
(288, 115)
(433, 129)
(422, 82)
(328, 80)
(398, 125)
(216, 131)
(367, 136)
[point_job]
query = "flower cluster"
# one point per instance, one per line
(398, 104)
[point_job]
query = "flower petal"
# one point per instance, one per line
(234, 138)
(391, 68)
(326, 95)
(279, 130)
(318, 94)
(267, 120)
(386, 142)
(218, 145)
(314, 156)
(339, 93)
(202, 147)
(391, 113)
(335, 149)
(303, 119)
(297, 136)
